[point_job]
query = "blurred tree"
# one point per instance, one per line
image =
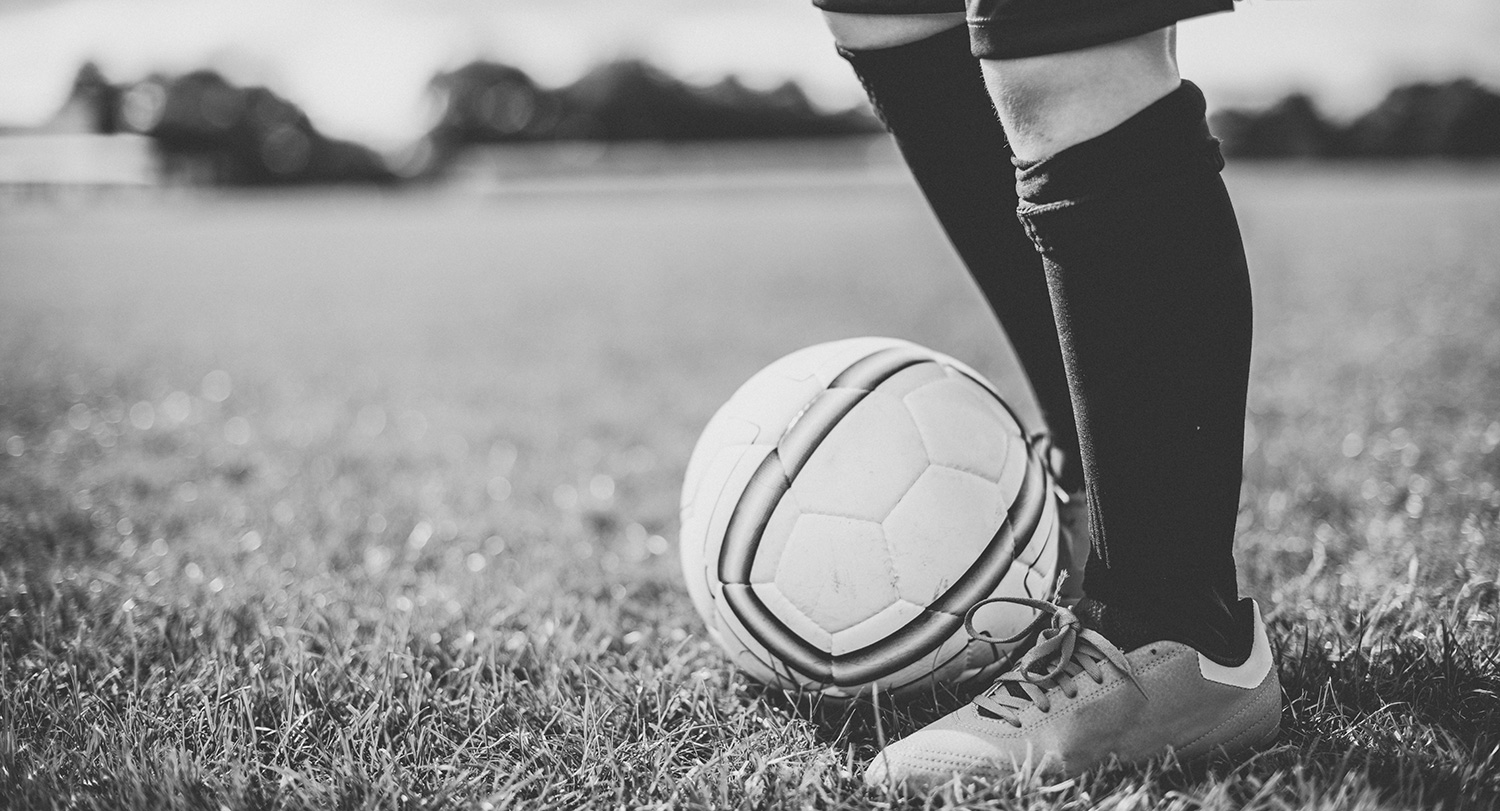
(1459, 119)
(92, 104)
(1292, 127)
(486, 102)
(633, 100)
(209, 130)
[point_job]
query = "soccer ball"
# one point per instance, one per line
(849, 504)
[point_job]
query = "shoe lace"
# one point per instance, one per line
(1064, 651)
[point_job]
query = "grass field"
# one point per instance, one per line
(365, 501)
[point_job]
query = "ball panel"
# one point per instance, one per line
(772, 402)
(698, 546)
(742, 462)
(957, 367)
(954, 661)
(990, 567)
(912, 378)
(950, 657)
(1003, 620)
(836, 570)
(945, 520)
(1005, 416)
(752, 657)
(696, 575)
(1013, 474)
(811, 427)
(924, 677)
(773, 539)
(722, 433)
(865, 464)
(1044, 563)
(793, 617)
(979, 663)
(836, 356)
(801, 365)
(873, 629)
(1031, 574)
(960, 429)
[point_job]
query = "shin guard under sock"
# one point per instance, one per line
(1152, 298)
(931, 96)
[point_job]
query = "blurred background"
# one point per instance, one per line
(351, 352)
(257, 92)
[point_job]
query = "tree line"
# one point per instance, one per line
(1458, 119)
(209, 130)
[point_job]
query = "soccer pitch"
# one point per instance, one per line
(368, 500)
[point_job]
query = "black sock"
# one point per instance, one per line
(931, 96)
(1152, 297)
(1129, 632)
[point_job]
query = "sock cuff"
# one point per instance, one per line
(1170, 138)
(927, 58)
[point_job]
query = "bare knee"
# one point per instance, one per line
(1049, 103)
(868, 32)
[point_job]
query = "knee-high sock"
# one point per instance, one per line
(931, 96)
(1152, 296)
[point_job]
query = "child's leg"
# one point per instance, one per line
(1147, 278)
(928, 89)
(1119, 185)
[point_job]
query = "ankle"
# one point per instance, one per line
(1128, 630)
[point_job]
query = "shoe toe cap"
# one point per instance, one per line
(932, 757)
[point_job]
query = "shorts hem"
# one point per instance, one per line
(1021, 36)
(902, 7)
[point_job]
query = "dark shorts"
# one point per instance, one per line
(1012, 29)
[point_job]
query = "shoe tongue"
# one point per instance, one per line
(1124, 631)
(1015, 691)
(1091, 613)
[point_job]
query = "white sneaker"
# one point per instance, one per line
(1075, 701)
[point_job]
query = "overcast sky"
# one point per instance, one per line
(359, 66)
